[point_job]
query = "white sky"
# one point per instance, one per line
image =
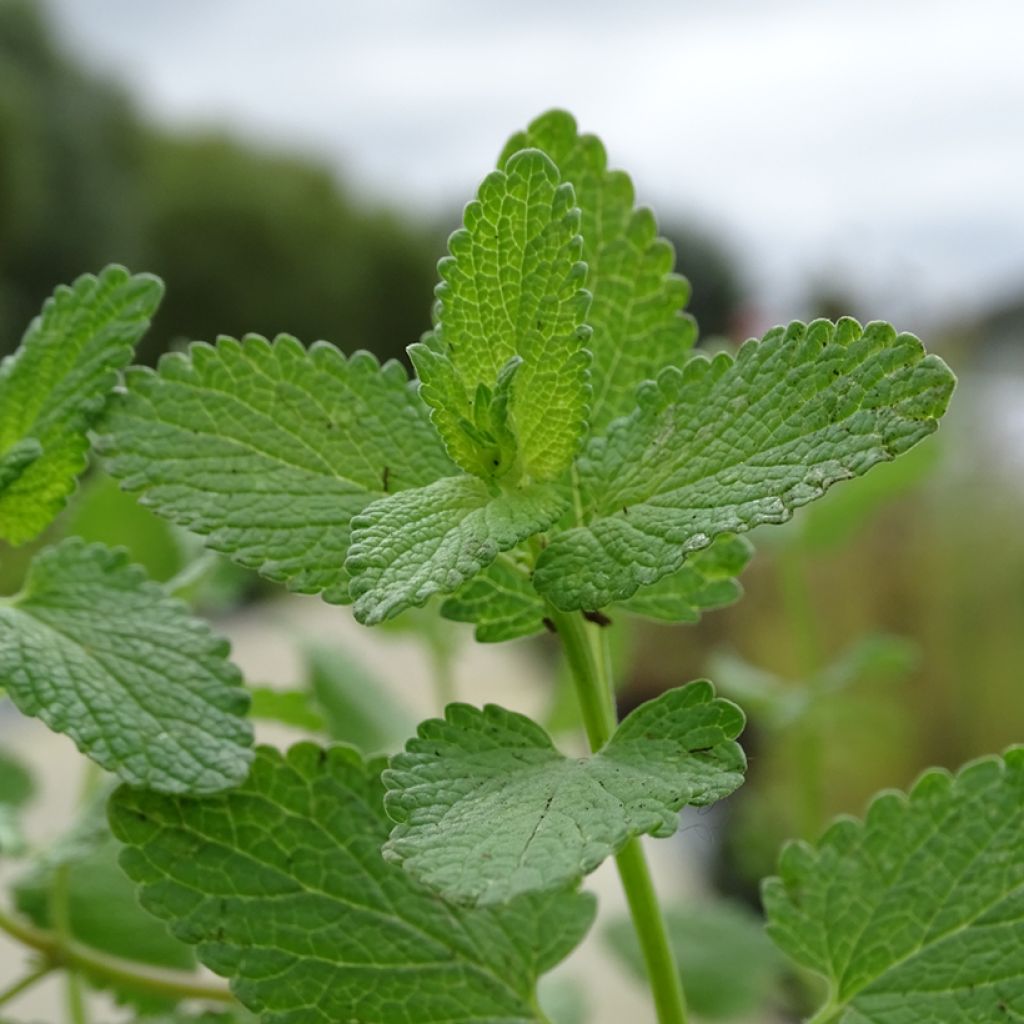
(877, 142)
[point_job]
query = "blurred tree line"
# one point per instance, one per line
(246, 240)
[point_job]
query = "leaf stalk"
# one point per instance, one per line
(74, 955)
(586, 649)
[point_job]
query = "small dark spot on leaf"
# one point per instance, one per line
(549, 625)
(385, 478)
(598, 618)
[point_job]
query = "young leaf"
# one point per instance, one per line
(102, 654)
(635, 316)
(55, 385)
(725, 445)
(706, 581)
(431, 540)
(268, 450)
(916, 914)
(511, 301)
(487, 808)
(281, 885)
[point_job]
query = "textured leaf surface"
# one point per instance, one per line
(100, 653)
(706, 581)
(916, 914)
(281, 886)
(411, 545)
(55, 385)
(268, 450)
(500, 601)
(487, 808)
(726, 445)
(504, 605)
(635, 316)
(511, 288)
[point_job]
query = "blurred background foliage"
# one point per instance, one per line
(881, 632)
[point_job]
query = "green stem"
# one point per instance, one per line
(60, 914)
(72, 954)
(587, 652)
(26, 982)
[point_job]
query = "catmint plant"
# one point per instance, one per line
(562, 460)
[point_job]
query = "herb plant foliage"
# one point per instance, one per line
(562, 458)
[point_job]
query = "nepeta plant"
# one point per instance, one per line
(562, 459)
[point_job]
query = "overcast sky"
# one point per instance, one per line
(880, 142)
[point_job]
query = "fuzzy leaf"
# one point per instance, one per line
(102, 654)
(55, 385)
(504, 605)
(487, 808)
(268, 450)
(726, 445)
(500, 601)
(917, 914)
(511, 301)
(706, 581)
(281, 886)
(635, 316)
(411, 545)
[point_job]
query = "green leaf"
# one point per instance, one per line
(281, 885)
(506, 358)
(503, 604)
(730, 967)
(500, 601)
(16, 784)
(54, 387)
(635, 313)
(356, 706)
(411, 545)
(103, 513)
(705, 582)
(268, 450)
(487, 808)
(100, 653)
(725, 445)
(289, 707)
(916, 914)
(104, 914)
(16, 790)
